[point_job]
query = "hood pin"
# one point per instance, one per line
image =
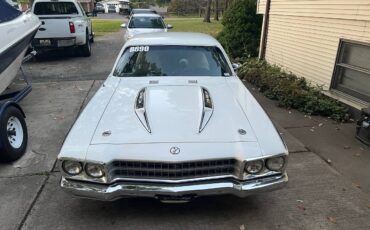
(242, 131)
(107, 133)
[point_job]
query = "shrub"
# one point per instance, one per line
(291, 91)
(242, 29)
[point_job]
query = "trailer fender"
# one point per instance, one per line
(7, 104)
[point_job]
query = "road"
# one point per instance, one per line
(317, 196)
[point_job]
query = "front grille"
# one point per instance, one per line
(173, 171)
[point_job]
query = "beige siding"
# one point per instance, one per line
(303, 35)
(261, 4)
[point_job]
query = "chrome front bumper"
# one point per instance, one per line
(172, 191)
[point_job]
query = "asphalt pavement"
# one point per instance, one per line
(318, 196)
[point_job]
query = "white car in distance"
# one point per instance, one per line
(173, 122)
(144, 23)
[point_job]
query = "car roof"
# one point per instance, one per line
(139, 9)
(173, 38)
(146, 15)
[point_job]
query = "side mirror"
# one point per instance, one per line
(90, 14)
(123, 25)
(169, 26)
(235, 66)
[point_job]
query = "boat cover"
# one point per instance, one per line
(7, 12)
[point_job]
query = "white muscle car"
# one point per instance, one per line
(173, 122)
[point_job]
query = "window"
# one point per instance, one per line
(55, 8)
(352, 70)
(146, 23)
(7, 12)
(142, 61)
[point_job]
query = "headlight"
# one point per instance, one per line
(94, 170)
(276, 163)
(72, 167)
(254, 167)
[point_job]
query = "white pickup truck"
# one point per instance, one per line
(64, 23)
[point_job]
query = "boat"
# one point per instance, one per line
(17, 30)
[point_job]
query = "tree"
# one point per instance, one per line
(242, 28)
(226, 4)
(216, 10)
(207, 15)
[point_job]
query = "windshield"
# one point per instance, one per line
(55, 8)
(141, 61)
(146, 23)
(7, 12)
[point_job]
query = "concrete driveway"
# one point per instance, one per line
(317, 196)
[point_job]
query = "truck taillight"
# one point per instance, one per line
(72, 27)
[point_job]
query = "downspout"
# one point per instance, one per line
(265, 26)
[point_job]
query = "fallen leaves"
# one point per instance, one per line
(368, 206)
(356, 185)
(331, 219)
(58, 117)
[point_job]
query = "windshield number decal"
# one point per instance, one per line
(139, 49)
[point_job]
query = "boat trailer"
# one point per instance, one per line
(13, 128)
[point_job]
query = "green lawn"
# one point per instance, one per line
(194, 25)
(104, 26)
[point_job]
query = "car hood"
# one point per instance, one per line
(173, 111)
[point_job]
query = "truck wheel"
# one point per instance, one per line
(13, 134)
(86, 48)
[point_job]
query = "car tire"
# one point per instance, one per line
(86, 48)
(92, 38)
(13, 134)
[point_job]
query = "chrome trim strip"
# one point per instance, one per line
(130, 189)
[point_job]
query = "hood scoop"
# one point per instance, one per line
(140, 110)
(203, 102)
(207, 109)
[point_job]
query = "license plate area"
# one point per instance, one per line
(67, 42)
(45, 42)
(176, 199)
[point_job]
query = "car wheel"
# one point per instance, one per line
(13, 134)
(86, 48)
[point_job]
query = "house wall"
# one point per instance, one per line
(303, 35)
